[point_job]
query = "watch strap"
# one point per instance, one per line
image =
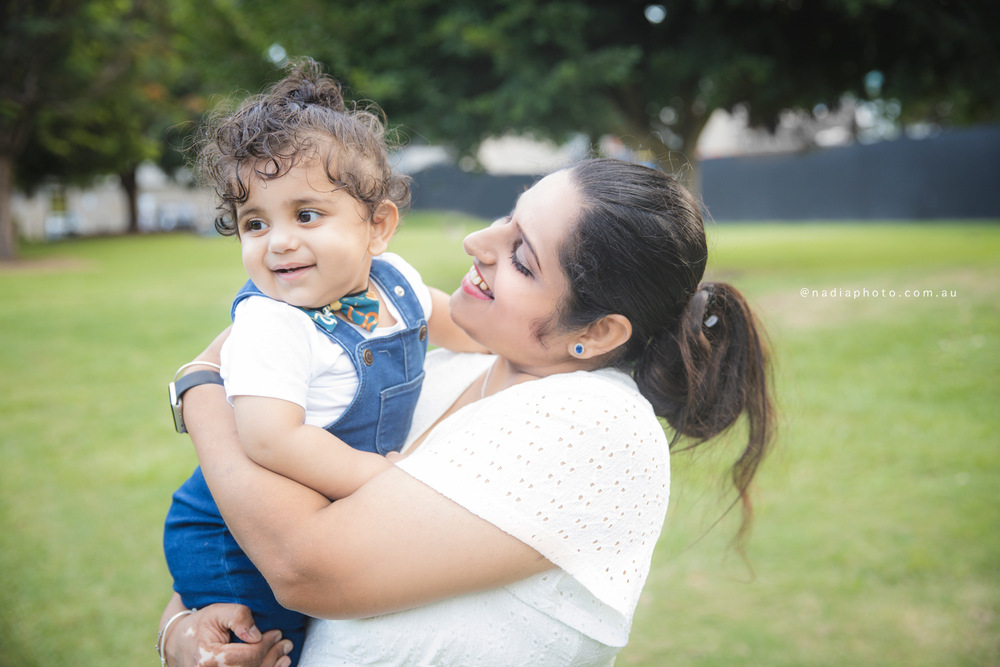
(181, 385)
(185, 382)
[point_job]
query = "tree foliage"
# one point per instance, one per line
(94, 86)
(462, 70)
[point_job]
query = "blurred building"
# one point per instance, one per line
(852, 163)
(165, 204)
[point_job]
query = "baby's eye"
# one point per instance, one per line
(308, 216)
(253, 225)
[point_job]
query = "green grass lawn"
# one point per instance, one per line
(877, 536)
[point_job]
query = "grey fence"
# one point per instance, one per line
(953, 175)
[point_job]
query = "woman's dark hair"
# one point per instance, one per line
(696, 352)
(301, 117)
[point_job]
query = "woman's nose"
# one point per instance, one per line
(482, 244)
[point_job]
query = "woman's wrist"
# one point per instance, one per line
(199, 365)
(170, 624)
(207, 373)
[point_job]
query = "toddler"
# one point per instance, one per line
(324, 362)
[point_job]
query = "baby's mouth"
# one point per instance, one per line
(289, 270)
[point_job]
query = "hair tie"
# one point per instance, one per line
(711, 320)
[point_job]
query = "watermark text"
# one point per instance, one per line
(876, 293)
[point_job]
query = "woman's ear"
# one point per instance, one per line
(384, 222)
(603, 336)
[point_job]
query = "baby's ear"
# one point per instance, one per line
(385, 220)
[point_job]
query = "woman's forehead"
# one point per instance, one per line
(548, 209)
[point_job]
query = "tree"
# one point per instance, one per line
(94, 87)
(462, 70)
(78, 91)
(98, 83)
(34, 39)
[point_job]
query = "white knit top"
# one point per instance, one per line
(575, 465)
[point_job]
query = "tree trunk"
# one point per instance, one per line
(680, 163)
(8, 234)
(131, 187)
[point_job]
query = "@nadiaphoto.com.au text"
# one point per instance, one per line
(866, 293)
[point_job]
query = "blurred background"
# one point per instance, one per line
(773, 109)
(848, 150)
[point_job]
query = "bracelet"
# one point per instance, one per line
(196, 363)
(163, 634)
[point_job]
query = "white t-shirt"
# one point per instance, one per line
(275, 350)
(575, 465)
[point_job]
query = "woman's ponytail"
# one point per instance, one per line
(707, 373)
(697, 351)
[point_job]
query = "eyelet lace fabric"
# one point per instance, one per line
(576, 466)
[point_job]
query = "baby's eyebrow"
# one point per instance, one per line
(250, 210)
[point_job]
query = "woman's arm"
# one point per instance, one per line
(394, 544)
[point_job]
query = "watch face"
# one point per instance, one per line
(172, 388)
(175, 409)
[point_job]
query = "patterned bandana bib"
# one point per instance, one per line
(360, 308)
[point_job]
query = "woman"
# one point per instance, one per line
(520, 526)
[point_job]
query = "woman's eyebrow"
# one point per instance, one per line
(527, 244)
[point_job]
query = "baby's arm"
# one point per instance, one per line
(274, 435)
(442, 330)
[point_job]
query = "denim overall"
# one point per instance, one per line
(206, 563)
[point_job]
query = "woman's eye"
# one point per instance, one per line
(308, 216)
(517, 263)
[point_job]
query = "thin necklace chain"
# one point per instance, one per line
(486, 380)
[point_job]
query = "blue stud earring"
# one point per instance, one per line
(578, 348)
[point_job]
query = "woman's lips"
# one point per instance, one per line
(474, 285)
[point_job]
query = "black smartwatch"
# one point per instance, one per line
(181, 385)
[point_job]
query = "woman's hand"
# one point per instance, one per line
(201, 639)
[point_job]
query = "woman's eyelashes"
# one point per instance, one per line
(517, 263)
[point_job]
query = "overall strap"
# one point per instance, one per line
(248, 290)
(397, 290)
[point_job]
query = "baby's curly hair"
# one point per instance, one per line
(301, 117)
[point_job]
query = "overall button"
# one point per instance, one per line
(423, 333)
(369, 357)
(399, 290)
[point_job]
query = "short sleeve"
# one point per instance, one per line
(574, 465)
(268, 352)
